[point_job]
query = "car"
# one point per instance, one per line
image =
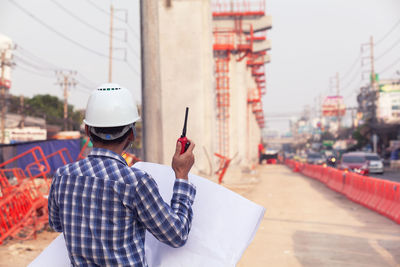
(315, 158)
(375, 163)
(354, 162)
(361, 162)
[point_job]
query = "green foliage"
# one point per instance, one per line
(49, 107)
(361, 138)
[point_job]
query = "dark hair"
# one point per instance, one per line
(109, 130)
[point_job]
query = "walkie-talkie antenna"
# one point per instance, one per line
(184, 125)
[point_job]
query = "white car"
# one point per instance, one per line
(375, 164)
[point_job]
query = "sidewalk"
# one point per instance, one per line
(307, 224)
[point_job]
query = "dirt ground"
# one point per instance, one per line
(21, 253)
(305, 224)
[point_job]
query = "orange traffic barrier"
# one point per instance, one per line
(22, 213)
(223, 166)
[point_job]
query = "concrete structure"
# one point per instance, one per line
(185, 43)
(185, 77)
(239, 37)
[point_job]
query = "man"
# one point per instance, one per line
(102, 206)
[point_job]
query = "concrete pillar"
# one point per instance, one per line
(151, 88)
(186, 61)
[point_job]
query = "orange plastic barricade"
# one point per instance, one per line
(395, 200)
(387, 197)
(363, 190)
(394, 209)
(82, 152)
(354, 186)
(23, 209)
(296, 167)
(368, 191)
(373, 202)
(348, 180)
(337, 179)
(223, 166)
(35, 153)
(22, 213)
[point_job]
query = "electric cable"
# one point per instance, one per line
(350, 70)
(33, 72)
(388, 33)
(388, 50)
(84, 22)
(59, 33)
(108, 13)
(390, 66)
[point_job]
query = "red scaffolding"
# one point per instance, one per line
(238, 44)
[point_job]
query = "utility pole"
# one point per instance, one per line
(111, 44)
(338, 102)
(66, 80)
(375, 88)
(3, 96)
(21, 111)
(5, 62)
(151, 83)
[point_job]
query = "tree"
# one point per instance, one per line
(49, 107)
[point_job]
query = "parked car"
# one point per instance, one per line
(354, 162)
(375, 163)
(315, 158)
(361, 162)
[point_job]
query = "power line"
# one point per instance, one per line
(351, 81)
(108, 13)
(388, 33)
(132, 68)
(33, 72)
(84, 22)
(388, 50)
(350, 70)
(49, 66)
(33, 65)
(59, 33)
(130, 47)
(391, 65)
(32, 56)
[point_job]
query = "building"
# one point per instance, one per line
(6, 46)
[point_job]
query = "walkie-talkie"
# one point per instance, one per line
(184, 141)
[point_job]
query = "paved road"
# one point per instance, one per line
(307, 224)
(392, 175)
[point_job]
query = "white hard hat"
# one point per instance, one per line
(110, 106)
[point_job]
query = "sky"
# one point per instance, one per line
(311, 41)
(72, 35)
(314, 39)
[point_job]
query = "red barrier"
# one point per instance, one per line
(387, 198)
(22, 213)
(381, 196)
(394, 209)
(223, 166)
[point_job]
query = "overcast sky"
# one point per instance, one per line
(311, 41)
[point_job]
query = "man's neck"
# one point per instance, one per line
(117, 148)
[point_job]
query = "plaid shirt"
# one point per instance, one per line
(104, 208)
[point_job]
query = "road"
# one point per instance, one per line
(392, 175)
(307, 224)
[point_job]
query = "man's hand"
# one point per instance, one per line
(182, 163)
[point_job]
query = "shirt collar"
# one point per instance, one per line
(102, 152)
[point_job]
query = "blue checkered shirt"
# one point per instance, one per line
(104, 208)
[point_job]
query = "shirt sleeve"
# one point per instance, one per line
(54, 213)
(169, 224)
